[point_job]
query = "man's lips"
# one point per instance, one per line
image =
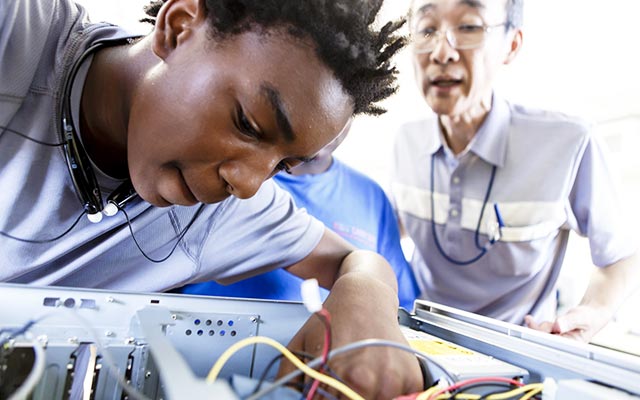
(445, 81)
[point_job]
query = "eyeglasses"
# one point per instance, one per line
(461, 37)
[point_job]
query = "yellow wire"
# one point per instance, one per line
(466, 396)
(521, 389)
(531, 394)
(533, 389)
(334, 383)
(428, 393)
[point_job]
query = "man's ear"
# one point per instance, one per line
(516, 45)
(176, 22)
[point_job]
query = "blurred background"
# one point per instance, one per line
(579, 57)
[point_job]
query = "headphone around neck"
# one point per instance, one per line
(78, 163)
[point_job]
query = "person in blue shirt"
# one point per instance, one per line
(348, 202)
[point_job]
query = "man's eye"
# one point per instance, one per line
(427, 32)
(468, 28)
(244, 125)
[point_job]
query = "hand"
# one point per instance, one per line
(580, 323)
(374, 372)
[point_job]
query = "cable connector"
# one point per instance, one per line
(310, 292)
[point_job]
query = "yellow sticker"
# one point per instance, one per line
(438, 348)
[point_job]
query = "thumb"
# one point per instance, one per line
(566, 323)
(544, 326)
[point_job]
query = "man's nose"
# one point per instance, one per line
(245, 178)
(444, 51)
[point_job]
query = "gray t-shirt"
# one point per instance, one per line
(39, 43)
(551, 177)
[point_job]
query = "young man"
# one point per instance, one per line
(198, 115)
(489, 191)
(346, 201)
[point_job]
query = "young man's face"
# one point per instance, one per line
(216, 120)
(455, 80)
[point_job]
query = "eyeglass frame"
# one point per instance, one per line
(450, 38)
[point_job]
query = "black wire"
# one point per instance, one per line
(42, 241)
(326, 394)
(303, 356)
(265, 372)
(7, 129)
(37, 241)
(483, 249)
(17, 331)
(466, 388)
(515, 396)
(184, 231)
(270, 365)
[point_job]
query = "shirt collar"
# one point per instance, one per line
(490, 142)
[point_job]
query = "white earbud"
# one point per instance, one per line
(95, 218)
(110, 209)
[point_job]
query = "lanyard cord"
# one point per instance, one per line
(483, 249)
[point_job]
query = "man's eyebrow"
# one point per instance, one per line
(424, 8)
(470, 3)
(284, 125)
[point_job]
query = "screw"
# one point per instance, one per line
(147, 375)
(174, 317)
(43, 339)
(253, 319)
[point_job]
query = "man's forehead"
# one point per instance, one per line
(420, 7)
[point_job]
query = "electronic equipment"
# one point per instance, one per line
(91, 344)
(565, 365)
(460, 362)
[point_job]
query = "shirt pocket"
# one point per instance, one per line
(530, 221)
(528, 239)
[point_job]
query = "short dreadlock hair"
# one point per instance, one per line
(359, 55)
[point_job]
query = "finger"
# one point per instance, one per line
(545, 326)
(569, 322)
(576, 334)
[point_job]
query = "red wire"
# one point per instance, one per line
(475, 380)
(324, 315)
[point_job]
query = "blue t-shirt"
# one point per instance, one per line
(351, 204)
